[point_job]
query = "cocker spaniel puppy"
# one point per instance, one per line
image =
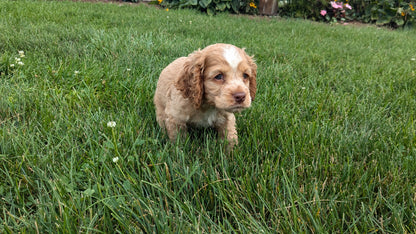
(205, 89)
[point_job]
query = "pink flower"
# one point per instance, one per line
(336, 5)
(348, 6)
(323, 12)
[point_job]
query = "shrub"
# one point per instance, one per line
(337, 11)
(385, 12)
(307, 9)
(214, 6)
(394, 13)
(319, 10)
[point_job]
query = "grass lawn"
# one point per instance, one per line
(329, 144)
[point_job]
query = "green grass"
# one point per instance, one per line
(329, 144)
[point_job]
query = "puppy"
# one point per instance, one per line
(205, 89)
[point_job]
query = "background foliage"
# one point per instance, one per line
(392, 13)
(215, 6)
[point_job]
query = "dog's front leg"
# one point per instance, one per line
(175, 129)
(227, 130)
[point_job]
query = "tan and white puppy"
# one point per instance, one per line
(205, 89)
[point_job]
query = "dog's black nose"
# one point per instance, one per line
(239, 97)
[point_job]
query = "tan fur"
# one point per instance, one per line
(187, 92)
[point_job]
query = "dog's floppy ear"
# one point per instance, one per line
(253, 77)
(190, 81)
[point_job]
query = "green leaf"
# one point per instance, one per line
(220, 7)
(210, 11)
(204, 3)
(193, 2)
(185, 3)
(235, 5)
(399, 22)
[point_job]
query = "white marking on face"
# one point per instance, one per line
(232, 56)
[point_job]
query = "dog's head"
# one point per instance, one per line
(220, 75)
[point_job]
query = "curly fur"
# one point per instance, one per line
(190, 81)
(253, 83)
(205, 89)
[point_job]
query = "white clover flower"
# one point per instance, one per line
(128, 69)
(21, 53)
(76, 72)
(12, 65)
(115, 160)
(20, 63)
(303, 88)
(111, 124)
(17, 59)
(413, 59)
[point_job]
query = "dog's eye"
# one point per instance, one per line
(245, 75)
(219, 77)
